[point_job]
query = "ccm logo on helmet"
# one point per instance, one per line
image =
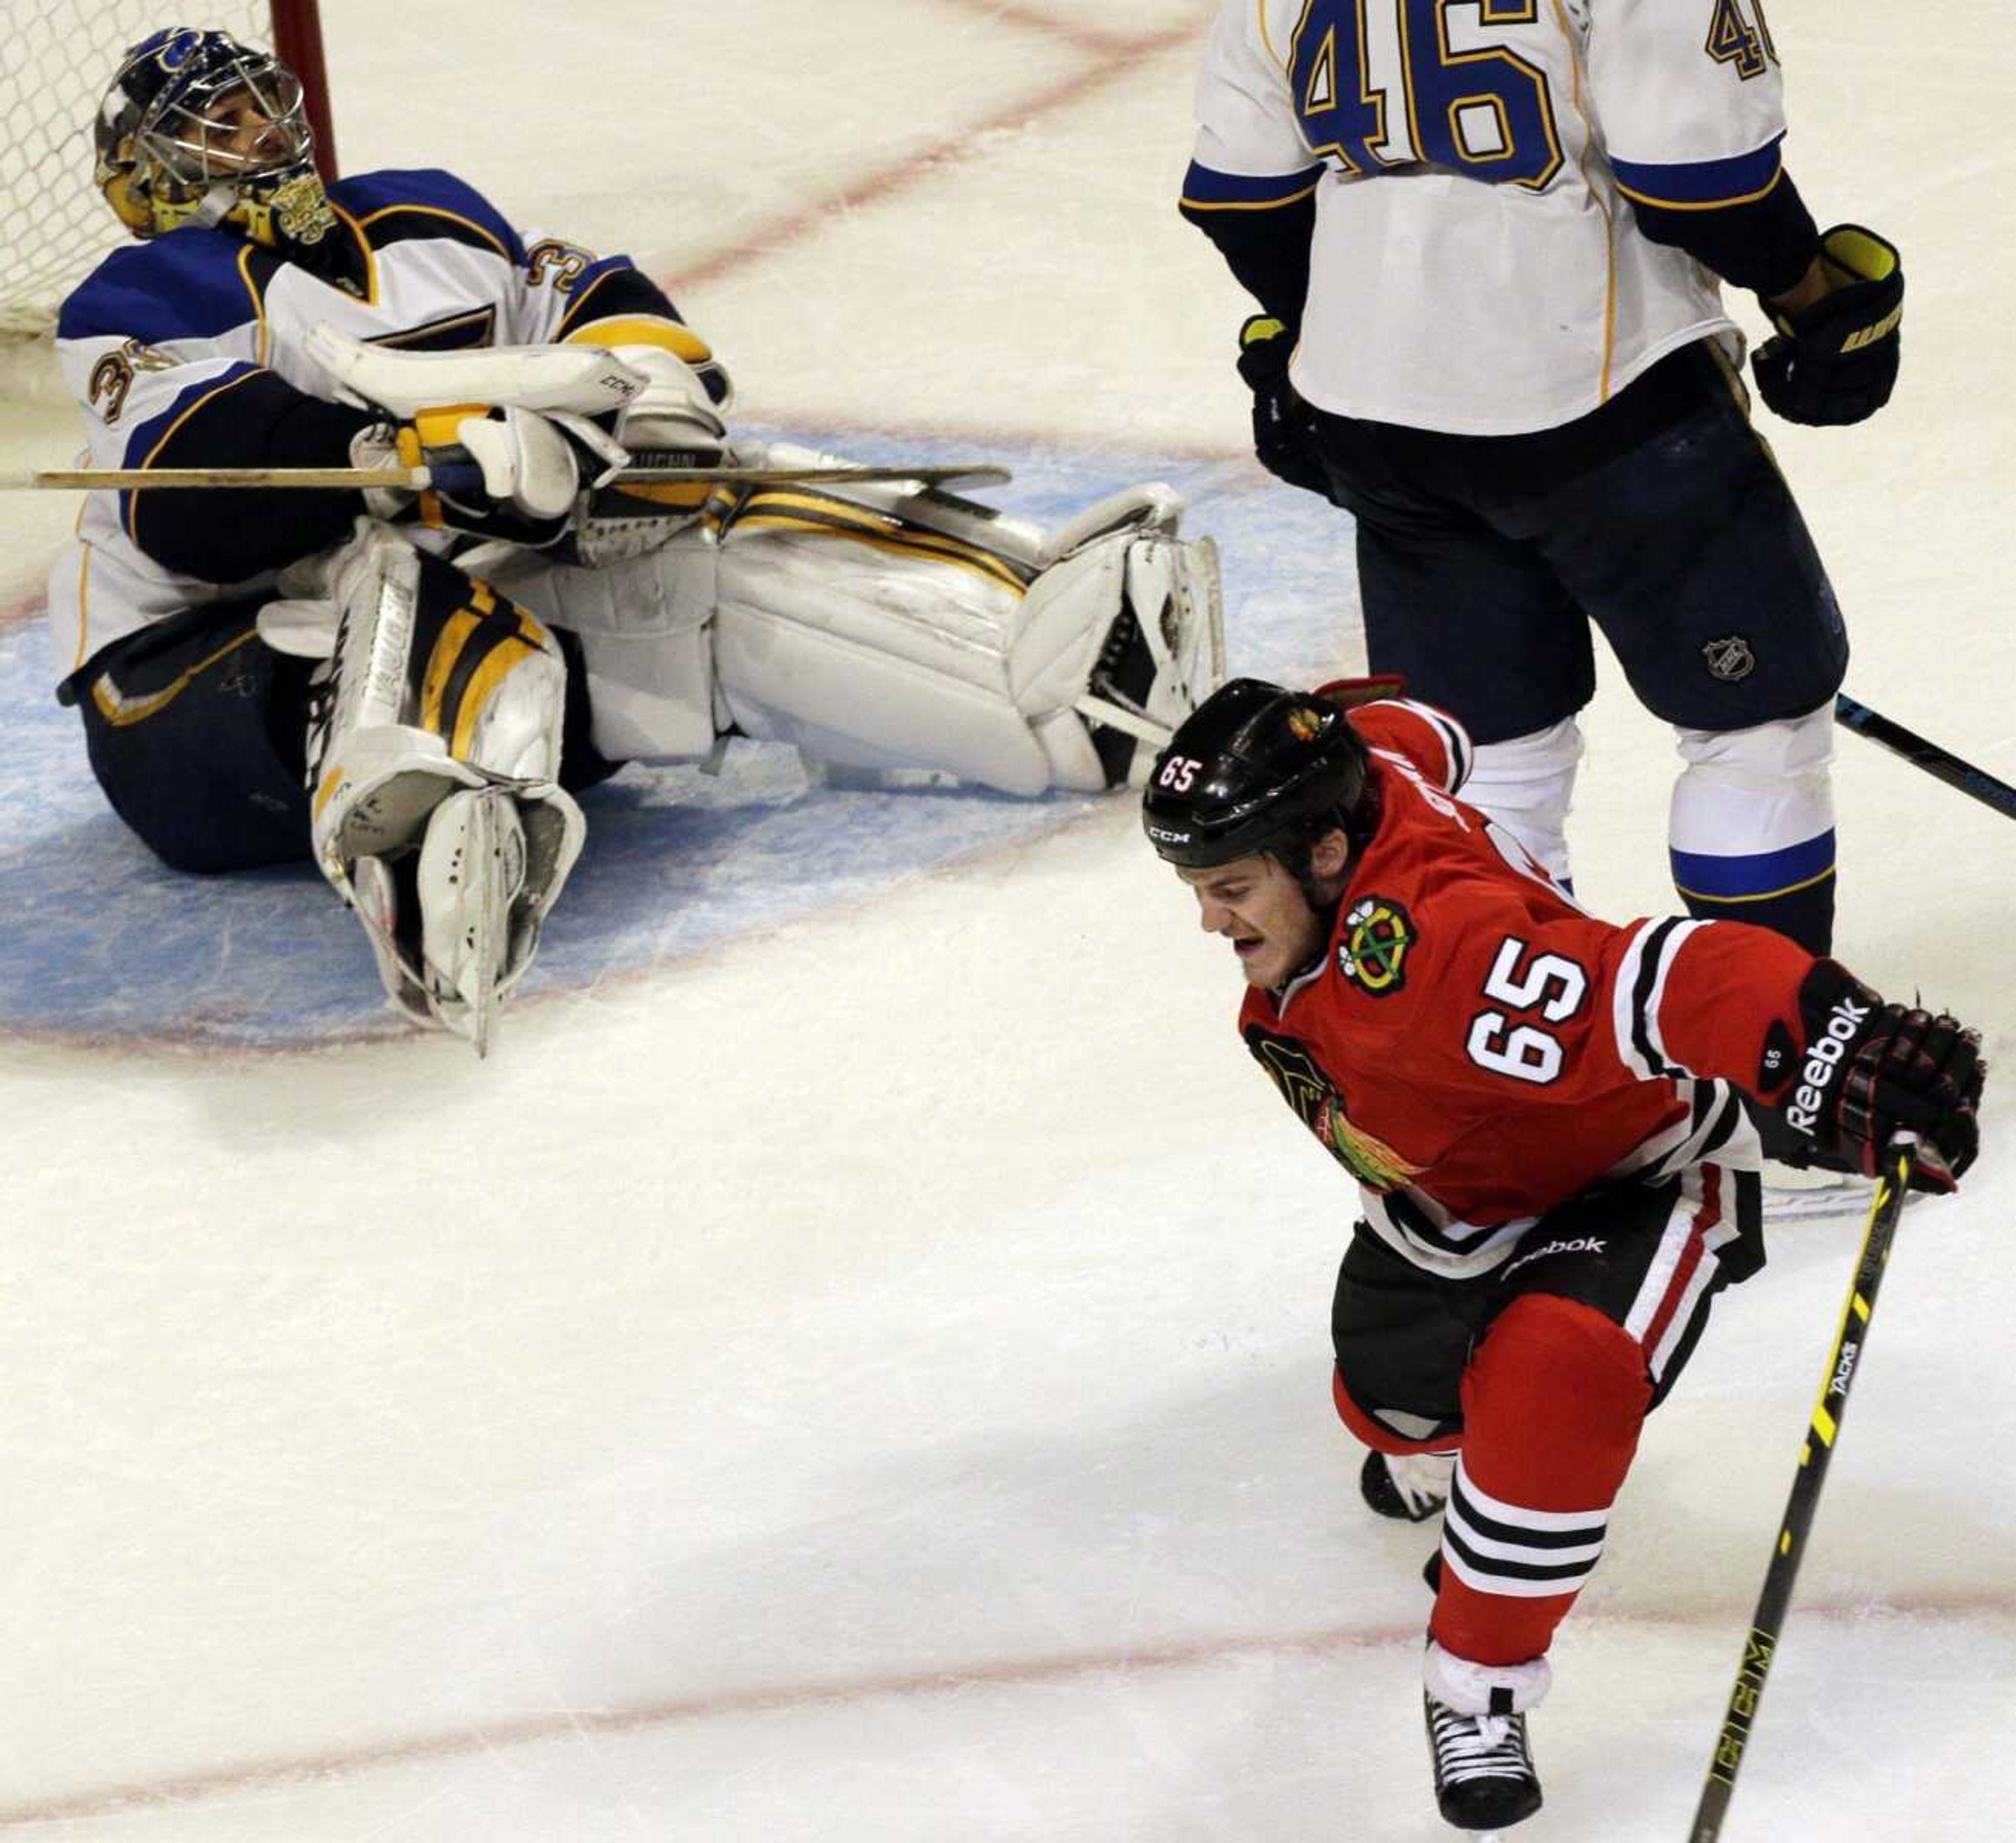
(1162, 835)
(1824, 1063)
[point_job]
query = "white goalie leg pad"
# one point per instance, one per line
(645, 627)
(1754, 794)
(897, 649)
(1468, 1688)
(435, 812)
(1527, 784)
(1124, 636)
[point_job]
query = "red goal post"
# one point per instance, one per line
(57, 59)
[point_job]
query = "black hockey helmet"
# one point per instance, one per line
(197, 128)
(1255, 768)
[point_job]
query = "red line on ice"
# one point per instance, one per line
(280, 1773)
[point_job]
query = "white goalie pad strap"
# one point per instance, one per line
(1467, 1687)
(583, 378)
(646, 632)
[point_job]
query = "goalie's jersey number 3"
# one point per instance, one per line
(1381, 84)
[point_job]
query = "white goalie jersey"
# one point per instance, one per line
(1472, 163)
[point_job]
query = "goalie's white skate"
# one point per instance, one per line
(472, 872)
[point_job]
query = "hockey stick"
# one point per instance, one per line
(1940, 763)
(415, 479)
(1892, 1182)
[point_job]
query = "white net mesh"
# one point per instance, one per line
(57, 59)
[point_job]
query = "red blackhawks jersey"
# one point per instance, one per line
(1476, 1049)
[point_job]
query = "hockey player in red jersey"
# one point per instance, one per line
(1545, 1113)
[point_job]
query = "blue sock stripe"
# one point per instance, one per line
(1754, 877)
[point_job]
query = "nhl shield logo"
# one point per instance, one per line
(1731, 659)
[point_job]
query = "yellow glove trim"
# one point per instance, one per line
(641, 329)
(1862, 254)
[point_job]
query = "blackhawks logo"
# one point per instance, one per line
(1315, 1098)
(1373, 952)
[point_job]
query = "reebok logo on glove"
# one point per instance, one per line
(1823, 1068)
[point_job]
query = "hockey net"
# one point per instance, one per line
(57, 59)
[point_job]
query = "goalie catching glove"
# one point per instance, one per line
(1869, 1071)
(1836, 361)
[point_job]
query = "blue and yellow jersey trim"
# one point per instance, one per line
(1702, 185)
(1206, 190)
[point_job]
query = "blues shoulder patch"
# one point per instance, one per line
(1372, 945)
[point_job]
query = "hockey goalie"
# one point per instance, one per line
(413, 687)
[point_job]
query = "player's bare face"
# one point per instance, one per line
(1262, 910)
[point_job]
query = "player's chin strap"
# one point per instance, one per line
(433, 754)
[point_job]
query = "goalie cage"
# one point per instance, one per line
(57, 59)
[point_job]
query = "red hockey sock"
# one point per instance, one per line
(1553, 1401)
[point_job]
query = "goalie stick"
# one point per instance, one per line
(419, 479)
(1773, 1603)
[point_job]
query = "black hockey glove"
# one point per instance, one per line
(1870, 1071)
(1284, 425)
(1836, 361)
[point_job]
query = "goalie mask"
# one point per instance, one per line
(198, 128)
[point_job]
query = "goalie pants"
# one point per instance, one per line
(197, 732)
(1538, 1376)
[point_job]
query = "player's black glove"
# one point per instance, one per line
(1284, 425)
(1870, 1071)
(1836, 361)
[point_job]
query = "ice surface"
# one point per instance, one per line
(854, 1364)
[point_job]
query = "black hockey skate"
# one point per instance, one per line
(1484, 1779)
(1410, 1490)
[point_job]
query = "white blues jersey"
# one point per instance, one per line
(187, 350)
(1475, 267)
